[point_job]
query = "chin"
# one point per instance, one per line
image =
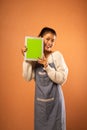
(47, 50)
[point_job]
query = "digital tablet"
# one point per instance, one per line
(34, 47)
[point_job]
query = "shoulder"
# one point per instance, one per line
(59, 60)
(57, 55)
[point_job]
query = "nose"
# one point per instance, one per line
(50, 42)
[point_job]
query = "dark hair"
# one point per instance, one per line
(46, 30)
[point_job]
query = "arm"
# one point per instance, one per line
(28, 71)
(58, 75)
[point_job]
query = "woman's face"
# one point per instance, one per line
(49, 40)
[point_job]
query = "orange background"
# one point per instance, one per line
(19, 18)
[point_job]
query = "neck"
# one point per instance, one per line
(47, 53)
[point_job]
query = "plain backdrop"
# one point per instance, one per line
(20, 18)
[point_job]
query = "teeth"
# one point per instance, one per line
(49, 46)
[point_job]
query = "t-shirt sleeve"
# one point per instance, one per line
(58, 75)
(28, 72)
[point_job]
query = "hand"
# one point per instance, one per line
(23, 50)
(43, 61)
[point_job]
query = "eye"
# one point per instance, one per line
(47, 39)
(52, 40)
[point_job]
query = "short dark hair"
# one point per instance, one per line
(46, 30)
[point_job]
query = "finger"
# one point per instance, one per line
(25, 50)
(22, 52)
(39, 61)
(40, 58)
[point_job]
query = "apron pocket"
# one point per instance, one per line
(49, 108)
(44, 108)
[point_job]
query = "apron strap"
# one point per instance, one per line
(53, 61)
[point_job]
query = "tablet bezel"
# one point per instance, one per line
(35, 38)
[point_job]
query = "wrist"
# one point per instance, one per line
(45, 65)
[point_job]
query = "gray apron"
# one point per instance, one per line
(49, 102)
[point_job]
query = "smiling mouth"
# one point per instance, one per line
(50, 46)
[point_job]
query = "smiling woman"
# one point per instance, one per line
(50, 73)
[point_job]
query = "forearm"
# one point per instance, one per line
(57, 76)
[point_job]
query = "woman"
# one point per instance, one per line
(50, 73)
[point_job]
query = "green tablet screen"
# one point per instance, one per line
(34, 48)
